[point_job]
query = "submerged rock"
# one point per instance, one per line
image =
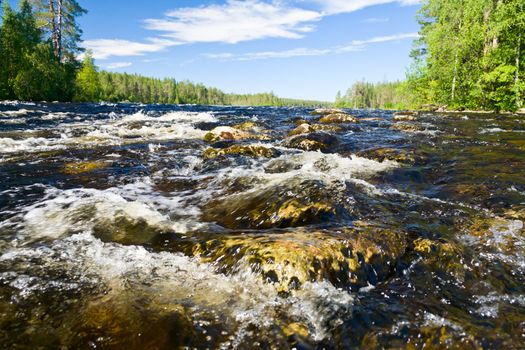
(242, 150)
(337, 118)
(327, 111)
(350, 257)
(399, 155)
(316, 141)
(76, 168)
(441, 255)
(306, 128)
(404, 118)
(407, 127)
(279, 206)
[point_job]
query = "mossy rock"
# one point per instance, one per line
(349, 257)
(398, 155)
(317, 141)
(338, 118)
(76, 168)
(246, 126)
(124, 230)
(408, 127)
(226, 133)
(404, 118)
(301, 129)
(431, 337)
(278, 206)
(255, 151)
(306, 128)
(441, 255)
(327, 111)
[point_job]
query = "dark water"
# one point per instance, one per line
(118, 230)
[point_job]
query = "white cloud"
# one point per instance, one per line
(117, 65)
(105, 48)
(344, 6)
(356, 45)
(232, 22)
(251, 56)
(235, 21)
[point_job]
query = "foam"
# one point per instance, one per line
(114, 131)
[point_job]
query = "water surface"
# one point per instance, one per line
(119, 231)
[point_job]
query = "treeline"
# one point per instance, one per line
(38, 46)
(384, 95)
(470, 55)
(117, 87)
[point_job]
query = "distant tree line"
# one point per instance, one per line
(95, 85)
(470, 55)
(384, 95)
(39, 46)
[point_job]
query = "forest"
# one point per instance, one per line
(470, 55)
(39, 50)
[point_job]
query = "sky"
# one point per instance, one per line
(307, 49)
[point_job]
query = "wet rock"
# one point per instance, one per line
(76, 168)
(405, 117)
(441, 255)
(409, 128)
(354, 257)
(275, 207)
(227, 133)
(246, 126)
(125, 230)
(317, 141)
(337, 118)
(306, 128)
(372, 119)
(301, 129)
(327, 111)
(255, 151)
(399, 155)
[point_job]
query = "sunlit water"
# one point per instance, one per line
(116, 232)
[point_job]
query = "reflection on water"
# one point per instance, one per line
(163, 227)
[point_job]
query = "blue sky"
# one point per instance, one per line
(305, 49)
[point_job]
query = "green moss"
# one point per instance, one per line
(243, 150)
(76, 168)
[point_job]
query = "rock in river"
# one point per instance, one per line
(353, 256)
(316, 141)
(255, 151)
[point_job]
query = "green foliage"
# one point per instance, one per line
(472, 53)
(88, 86)
(44, 78)
(385, 95)
(30, 70)
(117, 87)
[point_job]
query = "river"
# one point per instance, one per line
(126, 226)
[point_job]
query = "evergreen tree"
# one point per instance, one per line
(58, 18)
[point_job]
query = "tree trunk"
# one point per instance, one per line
(517, 76)
(455, 77)
(59, 29)
(53, 27)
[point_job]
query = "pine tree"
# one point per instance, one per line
(59, 20)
